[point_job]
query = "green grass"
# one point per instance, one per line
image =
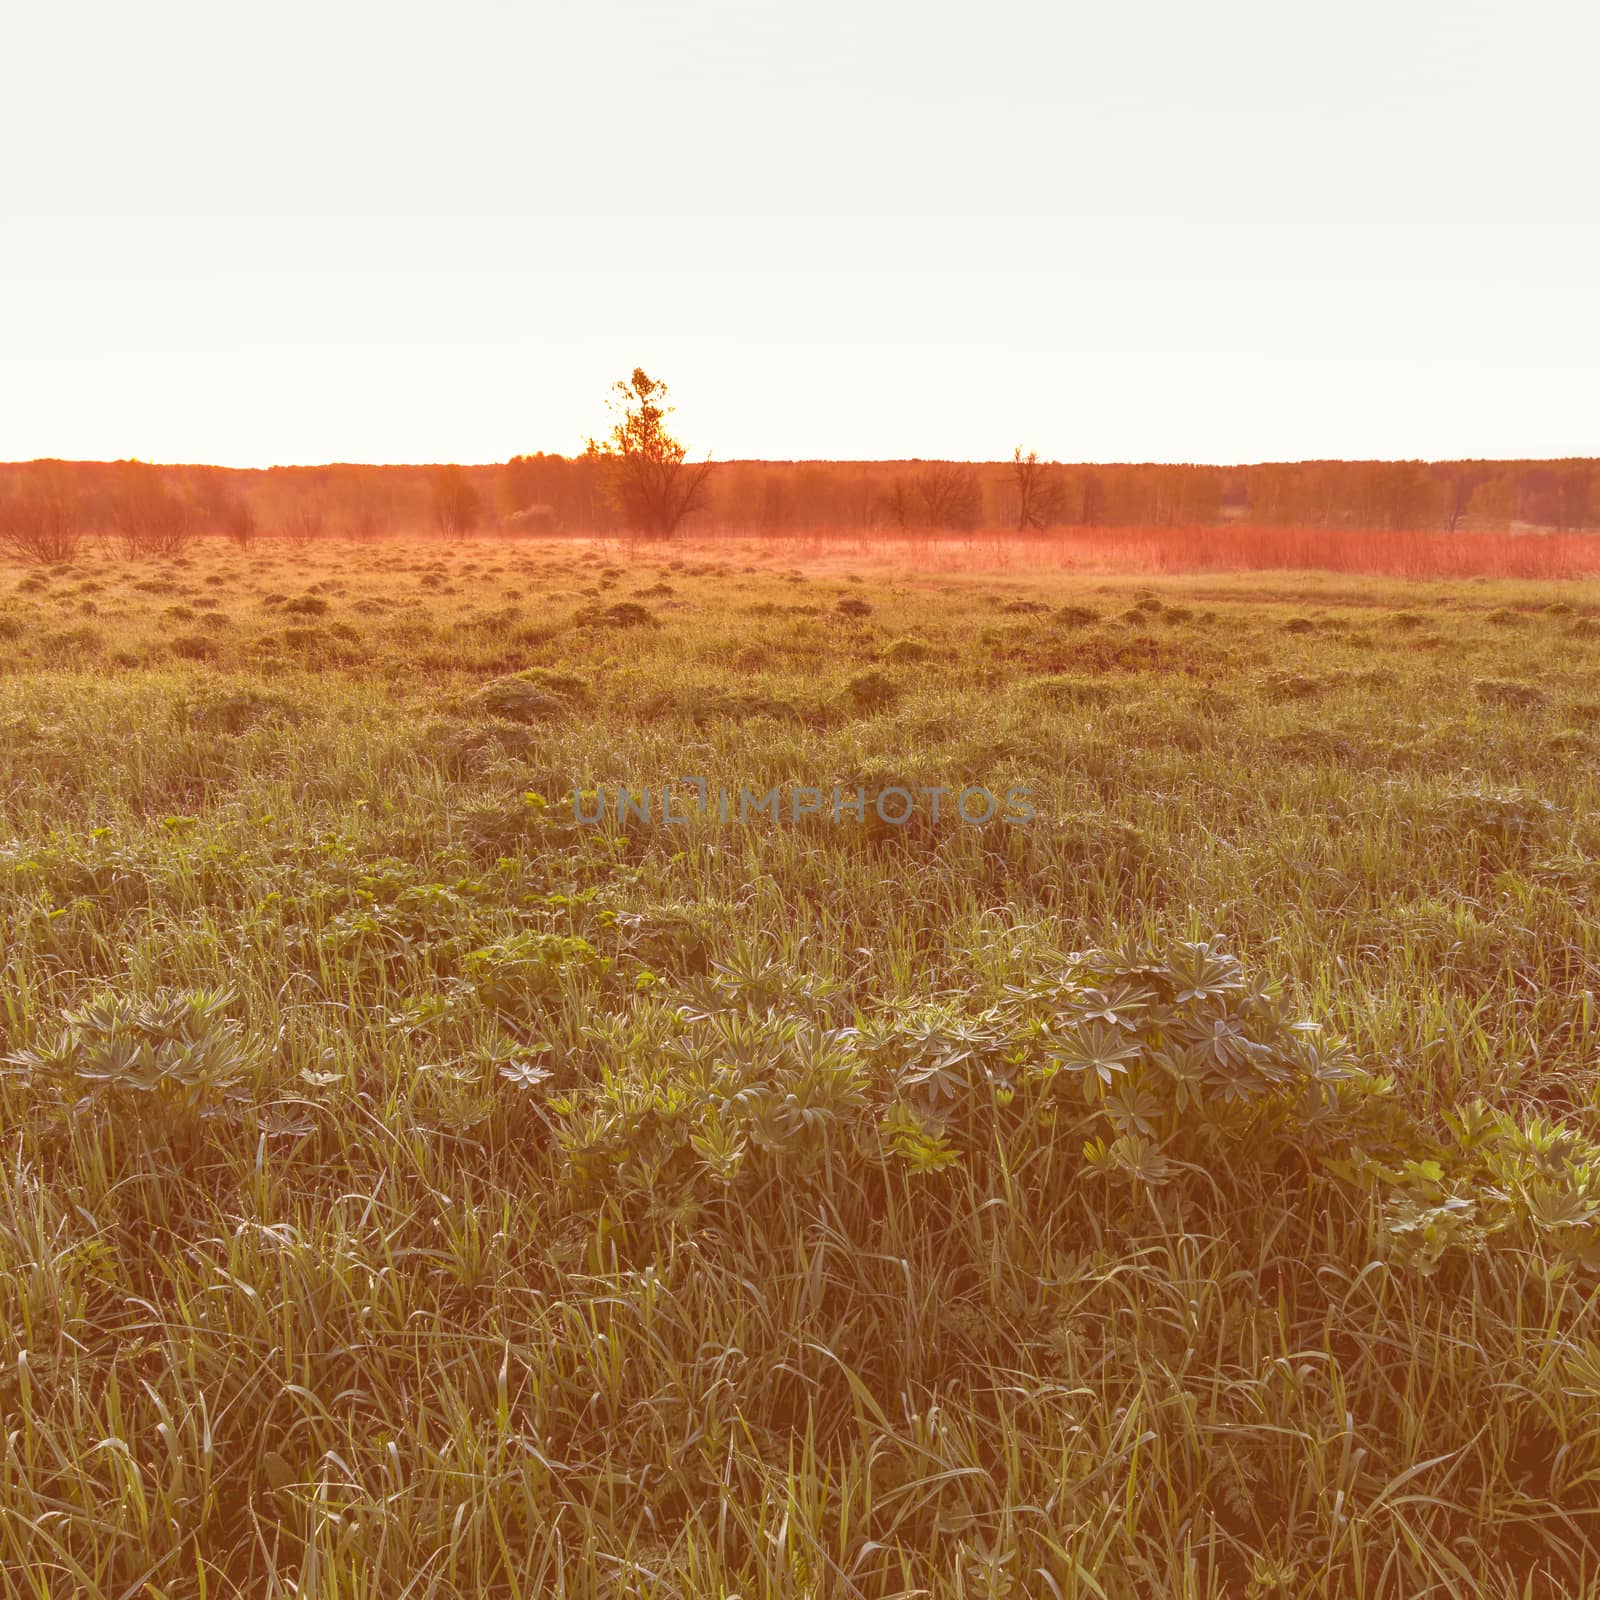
(410, 1192)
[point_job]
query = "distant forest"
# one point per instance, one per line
(557, 494)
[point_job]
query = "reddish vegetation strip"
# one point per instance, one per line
(1224, 549)
(1399, 555)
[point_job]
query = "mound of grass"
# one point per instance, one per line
(619, 614)
(235, 710)
(195, 647)
(872, 691)
(526, 697)
(704, 704)
(1280, 686)
(1510, 694)
(906, 651)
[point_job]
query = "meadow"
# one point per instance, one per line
(410, 1191)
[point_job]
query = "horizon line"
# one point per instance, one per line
(814, 461)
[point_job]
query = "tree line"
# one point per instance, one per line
(48, 508)
(640, 477)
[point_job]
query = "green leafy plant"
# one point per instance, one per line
(524, 972)
(164, 1061)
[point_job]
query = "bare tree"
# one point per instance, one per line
(1460, 480)
(951, 495)
(650, 479)
(1038, 490)
(1093, 510)
(457, 506)
(899, 503)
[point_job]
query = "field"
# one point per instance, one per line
(412, 1190)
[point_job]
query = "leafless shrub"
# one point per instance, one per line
(149, 517)
(363, 525)
(304, 524)
(224, 510)
(41, 520)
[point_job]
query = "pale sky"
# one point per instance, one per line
(395, 232)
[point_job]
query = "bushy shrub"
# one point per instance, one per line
(1490, 1180)
(1147, 1063)
(161, 1063)
(522, 973)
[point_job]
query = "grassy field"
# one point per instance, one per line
(411, 1191)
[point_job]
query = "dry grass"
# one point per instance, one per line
(411, 1193)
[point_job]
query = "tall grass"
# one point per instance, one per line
(409, 1192)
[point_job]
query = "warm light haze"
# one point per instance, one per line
(313, 233)
(799, 802)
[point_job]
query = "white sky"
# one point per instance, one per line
(1243, 231)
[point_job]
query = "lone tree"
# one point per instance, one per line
(651, 481)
